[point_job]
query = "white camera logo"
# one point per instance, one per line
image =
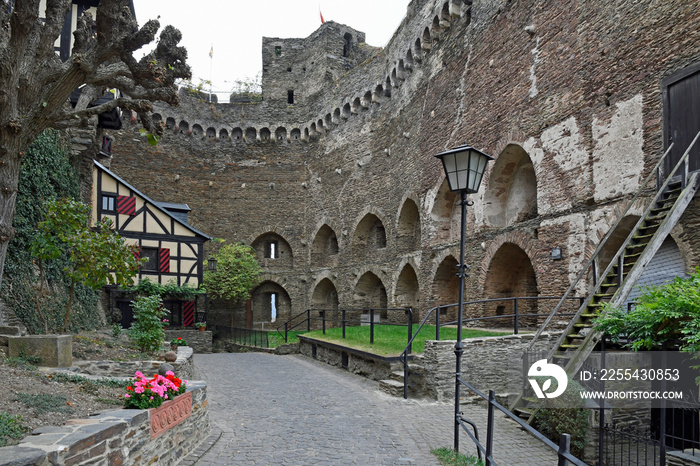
(544, 369)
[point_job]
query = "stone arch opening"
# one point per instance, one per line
(370, 292)
(347, 110)
(426, 40)
(369, 236)
(417, 47)
(272, 251)
(401, 70)
(320, 126)
(197, 130)
(211, 133)
(511, 195)
(269, 303)
(356, 105)
(408, 232)
(265, 134)
(406, 294)
(324, 249)
(306, 133)
(617, 238)
(436, 28)
(157, 118)
(445, 15)
(445, 288)
(444, 213)
(223, 134)
(328, 121)
(170, 123)
(296, 134)
(409, 59)
(387, 87)
(336, 115)
(367, 99)
(251, 134)
(236, 134)
(281, 134)
(325, 296)
(394, 80)
(378, 94)
(510, 274)
(183, 127)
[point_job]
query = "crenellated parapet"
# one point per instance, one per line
(318, 83)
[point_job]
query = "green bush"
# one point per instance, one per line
(147, 329)
(237, 273)
(11, 427)
(564, 415)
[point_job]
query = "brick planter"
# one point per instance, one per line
(170, 414)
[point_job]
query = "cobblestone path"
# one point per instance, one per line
(291, 410)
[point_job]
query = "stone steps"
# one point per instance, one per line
(416, 379)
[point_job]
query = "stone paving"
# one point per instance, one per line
(267, 410)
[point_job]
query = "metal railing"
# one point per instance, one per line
(244, 336)
(562, 450)
(343, 318)
(516, 316)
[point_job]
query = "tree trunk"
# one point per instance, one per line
(10, 158)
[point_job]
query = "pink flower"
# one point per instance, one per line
(170, 373)
(127, 396)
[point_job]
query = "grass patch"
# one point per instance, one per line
(448, 457)
(11, 428)
(275, 339)
(45, 403)
(390, 340)
(23, 362)
(80, 380)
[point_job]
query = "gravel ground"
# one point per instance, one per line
(62, 401)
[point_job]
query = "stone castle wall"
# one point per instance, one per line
(565, 95)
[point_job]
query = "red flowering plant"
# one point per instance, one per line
(146, 393)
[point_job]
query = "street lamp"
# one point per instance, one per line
(212, 263)
(464, 168)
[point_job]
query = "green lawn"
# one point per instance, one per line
(390, 340)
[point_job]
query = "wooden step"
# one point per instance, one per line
(570, 346)
(583, 325)
(576, 336)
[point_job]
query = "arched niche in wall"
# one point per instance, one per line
(197, 130)
(272, 251)
(370, 292)
(324, 249)
(157, 118)
(347, 110)
(444, 214)
(510, 274)
(281, 134)
(223, 134)
(426, 40)
(211, 132)
(269, 303)
(511, 194)
(236, 134)
(408, 231)
(617, 238)
(369, 235)
(325, 296)
(445, 288)
(251, 134)
(664, 267)
(170, 123)
(183, 127)
(406, 293)
(295, 134)
(265, 134)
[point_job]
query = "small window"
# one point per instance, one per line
(290, 97)
(109, 203)
(278, 50)
(272, 251)
(152, 255)
(289, 69)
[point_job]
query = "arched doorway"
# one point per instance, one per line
(269, 303)
(510, 274)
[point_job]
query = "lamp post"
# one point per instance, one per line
(212, 263)
(464, 168)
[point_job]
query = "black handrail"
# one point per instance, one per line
(563, 453)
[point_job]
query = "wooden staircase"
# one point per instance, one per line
(614, 285)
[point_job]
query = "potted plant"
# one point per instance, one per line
(166, 324)
(202, 326)
(175, 342)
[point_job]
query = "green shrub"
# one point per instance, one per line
(564, 415)
(147, 329)
(45, 402)
(116, 330)
(11, 427)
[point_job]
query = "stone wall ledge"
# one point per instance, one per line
(183, 366)
(114, 437)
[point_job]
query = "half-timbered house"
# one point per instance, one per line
(174, 249)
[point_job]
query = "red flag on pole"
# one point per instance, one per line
(322, 20)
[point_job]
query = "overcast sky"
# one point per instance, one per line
(235, 29)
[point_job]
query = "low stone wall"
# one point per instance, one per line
(183, 366)
(199, 341)
(680, 458)
(115, 437)
(358, 362)
(489, 363)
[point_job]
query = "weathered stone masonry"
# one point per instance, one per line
(566, 96)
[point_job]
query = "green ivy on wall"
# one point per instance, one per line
(46, 173)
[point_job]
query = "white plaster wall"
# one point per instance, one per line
(618, 159)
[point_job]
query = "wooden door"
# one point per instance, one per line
(681, 98)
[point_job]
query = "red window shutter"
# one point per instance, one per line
(137, 253)
(126, 205)
(164, 260)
